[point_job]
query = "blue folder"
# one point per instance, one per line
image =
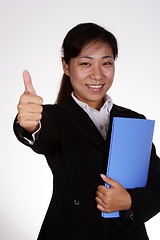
(129, 155)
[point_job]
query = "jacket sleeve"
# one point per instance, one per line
(45, 139)
(146, 201)
(22, 135)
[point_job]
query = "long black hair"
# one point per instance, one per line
(75, 40)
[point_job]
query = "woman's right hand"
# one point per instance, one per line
(29, 106)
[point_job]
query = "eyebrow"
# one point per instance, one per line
(104, 57)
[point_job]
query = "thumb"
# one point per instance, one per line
(108, 180)
(28, 82)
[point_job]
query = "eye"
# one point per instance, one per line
(85, 64)
(107, 63)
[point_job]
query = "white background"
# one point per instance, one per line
(31, 34)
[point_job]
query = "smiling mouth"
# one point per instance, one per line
(95, 87)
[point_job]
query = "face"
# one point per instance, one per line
(91, 73)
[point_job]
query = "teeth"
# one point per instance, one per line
(95, 86)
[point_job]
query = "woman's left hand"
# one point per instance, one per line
(114, 198)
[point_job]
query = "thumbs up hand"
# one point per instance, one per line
(29, 106)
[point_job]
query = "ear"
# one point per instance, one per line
(65, 67)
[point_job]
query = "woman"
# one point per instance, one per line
(74, 136)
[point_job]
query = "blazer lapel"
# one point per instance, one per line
(83, 123)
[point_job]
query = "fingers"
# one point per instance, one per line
(28, 83)
(33, 107)
(28, 125)
(103, 201)
(30, 98)
(29, 115)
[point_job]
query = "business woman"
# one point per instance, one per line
(74, 136)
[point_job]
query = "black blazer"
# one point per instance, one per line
(77, 155)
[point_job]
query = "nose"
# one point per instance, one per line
(96, 73)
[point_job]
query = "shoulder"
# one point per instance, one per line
(51, 108)
(52, 114)
(125, 112)
(54, 111)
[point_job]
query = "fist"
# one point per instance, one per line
(29, 106)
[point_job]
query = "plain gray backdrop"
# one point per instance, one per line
(31, 34)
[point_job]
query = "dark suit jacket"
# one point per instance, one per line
(77, 154)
